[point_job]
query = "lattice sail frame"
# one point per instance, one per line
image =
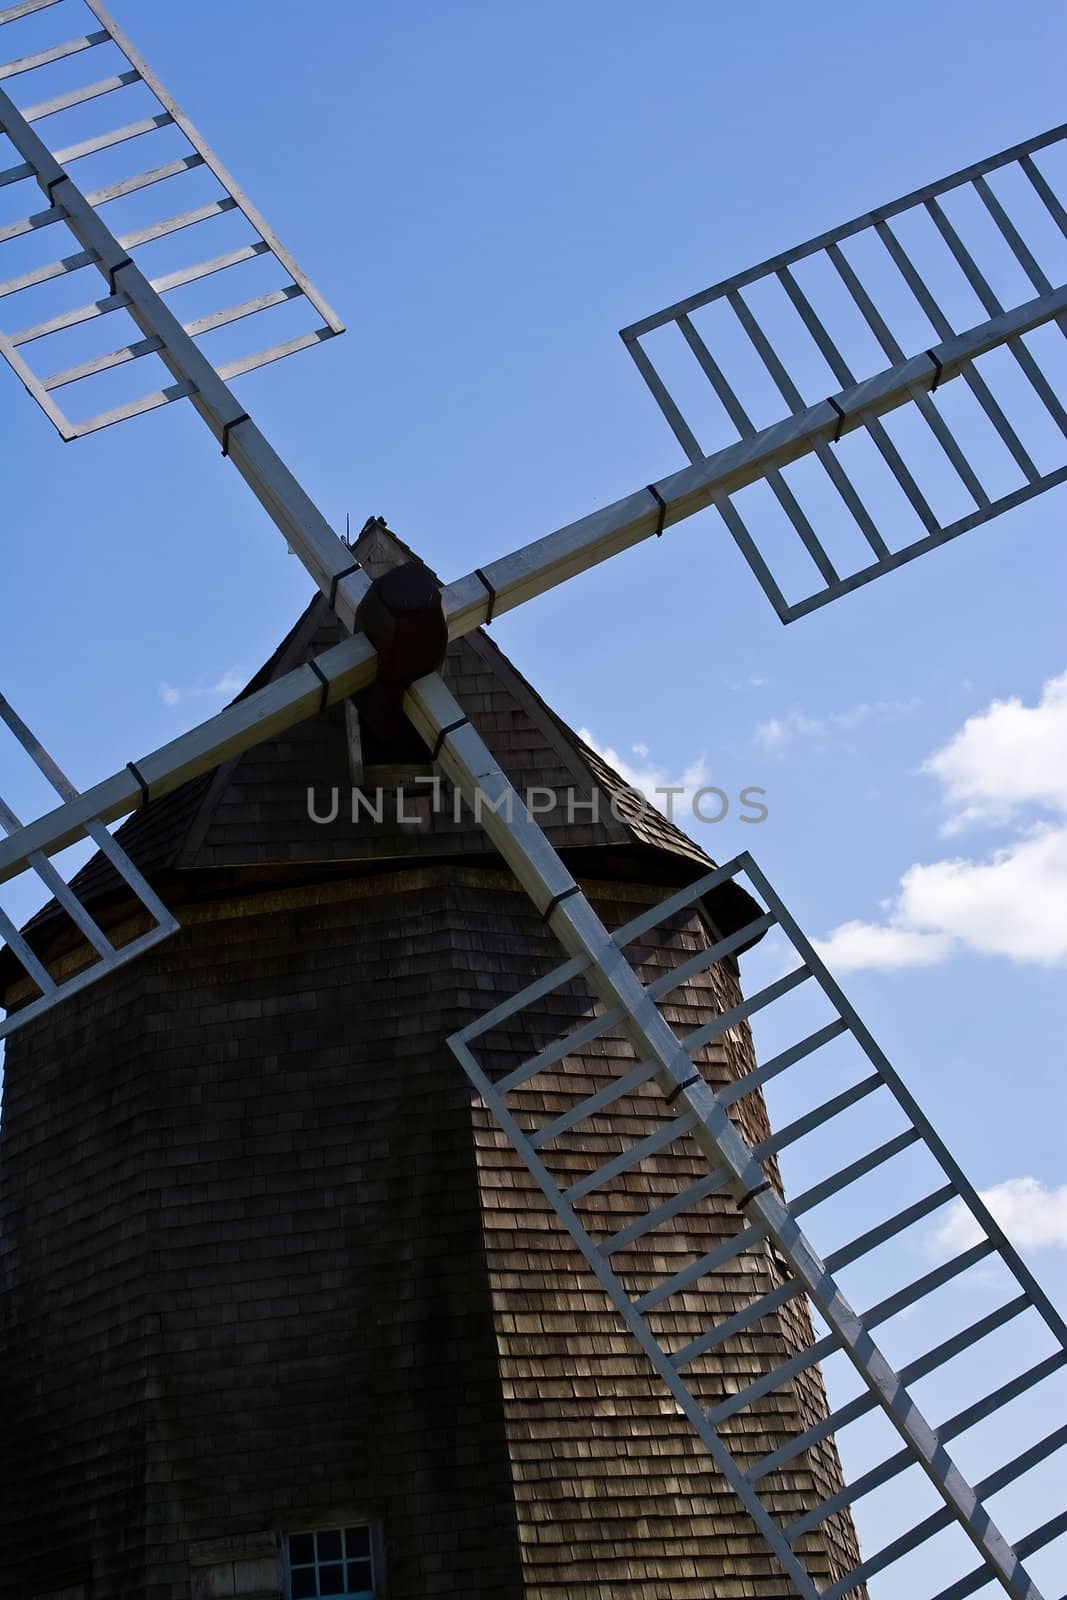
(862, 298)
(108, 955)
(554, 1163)
(67, 211)
(133, 296)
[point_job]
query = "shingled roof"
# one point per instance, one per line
(249, 822)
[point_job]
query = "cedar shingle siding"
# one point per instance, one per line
(265, 1266)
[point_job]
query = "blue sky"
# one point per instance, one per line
(487, 194)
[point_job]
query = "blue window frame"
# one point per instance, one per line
(335, 1562)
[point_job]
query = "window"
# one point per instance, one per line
(338, 1562)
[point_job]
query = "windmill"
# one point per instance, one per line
(397, 627)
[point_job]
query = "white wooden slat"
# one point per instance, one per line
(703, 959)
(741, 1088)
(246, 308)
(69, 319)
(205, 269)
(262, 358)
(16, 174)
(148, 346)
(559, 1050)
(746, 1008)
(632, 1156)
(25, 8)
(103, 363)
(54, 269)
(26, 957)
(135, 408)
(1045, 192)
(32, 384)
(751, 552)
(645, 921)
(184, 219)
(78, 97)
(808, 1199)
(649, 1221)
(82, 980)
(107, 141)
(143, 180)
(1017, 243)
(56, 52)
(710, 1262)
(665, 400)
(606, 1096)
(39, 219)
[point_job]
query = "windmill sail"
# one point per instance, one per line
(139, 324)
(49, 989)
(135, 325)
(879, 1181)
(696, 1111)
(962, 279)
(150, 330)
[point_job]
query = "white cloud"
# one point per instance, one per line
(1032, 1214)
(1009, 757)
(776, 732)
(1013, 901)
(870, 944)
(1013, 904)
(647, 777)
(230, 683)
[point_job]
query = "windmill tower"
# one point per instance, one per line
(317, 1289)
(293, 1305)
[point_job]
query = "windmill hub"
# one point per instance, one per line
(403, 617)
